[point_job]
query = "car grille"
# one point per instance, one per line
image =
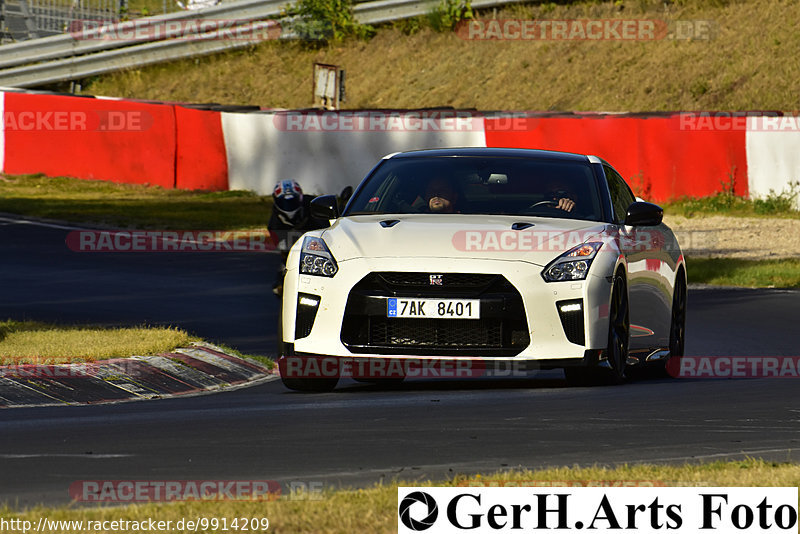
(436, 332)
(502, 329)
(449, 280)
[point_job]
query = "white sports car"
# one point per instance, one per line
(480, 258)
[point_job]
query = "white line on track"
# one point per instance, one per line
(88, 456)
(9, 220)
(716, 455)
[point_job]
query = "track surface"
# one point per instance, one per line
(359, 434)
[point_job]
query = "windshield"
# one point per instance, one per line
(480, 185)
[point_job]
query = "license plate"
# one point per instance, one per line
(433, 308)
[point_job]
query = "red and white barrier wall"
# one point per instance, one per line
(662, 155)
(115, 140)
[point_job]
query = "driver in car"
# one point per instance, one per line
(562, 196)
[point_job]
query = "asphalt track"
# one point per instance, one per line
(358, 434)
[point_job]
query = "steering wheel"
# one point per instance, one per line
(552, 203)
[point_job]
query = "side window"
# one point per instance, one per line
(621, 195)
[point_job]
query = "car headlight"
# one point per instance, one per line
(573, 264)
(316, 259)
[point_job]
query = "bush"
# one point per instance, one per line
(449, 13)
(325, 21)
(775, 203)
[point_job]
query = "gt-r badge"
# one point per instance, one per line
(436, 279)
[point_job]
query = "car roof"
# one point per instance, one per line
(495, 152)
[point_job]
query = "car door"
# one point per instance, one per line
(648, 280)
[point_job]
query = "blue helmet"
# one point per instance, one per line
(287, 198)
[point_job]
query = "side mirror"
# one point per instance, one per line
(325, 207)
(644, 214)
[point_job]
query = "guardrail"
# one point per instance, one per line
(88, 41)
(97, 51)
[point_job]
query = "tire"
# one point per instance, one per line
(310, 385)
(305, 383)
(677, 327)
(616, 352)
(619, 327)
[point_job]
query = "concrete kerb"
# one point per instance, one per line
(198, 369)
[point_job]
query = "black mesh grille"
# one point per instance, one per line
(572, 321)
(446, 333)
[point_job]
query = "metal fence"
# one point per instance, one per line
(31, 19)
(69, 15)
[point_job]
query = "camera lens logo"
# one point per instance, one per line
(405, 511)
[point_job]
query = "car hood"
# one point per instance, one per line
(457, 236)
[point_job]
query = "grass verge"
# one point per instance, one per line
(779, 273)
(374, 510)
(33, 342)
(775, 204)
(132, 206)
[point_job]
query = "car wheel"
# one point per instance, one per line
(677, 328)
(616, 352)
(618, 331)
(305, 383)
(311, 385)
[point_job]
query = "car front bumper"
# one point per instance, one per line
(547, 340)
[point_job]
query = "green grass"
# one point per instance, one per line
(374, 510)
(775, 204)
(42, 343)
(34, 342)
(779, 273)
(132, 206)
(743, 68)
